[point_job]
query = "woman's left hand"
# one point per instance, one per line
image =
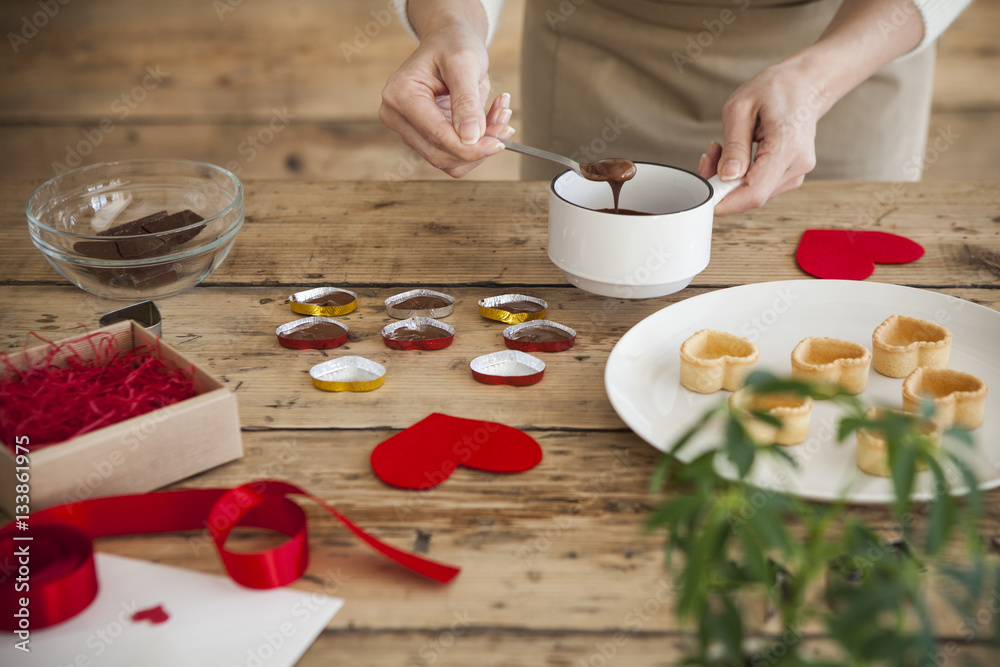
(778, 109)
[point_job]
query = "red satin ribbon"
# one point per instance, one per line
(59, 566)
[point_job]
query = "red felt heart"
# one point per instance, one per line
(851, 254)
(426, 454)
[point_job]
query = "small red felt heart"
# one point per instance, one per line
(155, 615)
(425, 454)
(851, 254)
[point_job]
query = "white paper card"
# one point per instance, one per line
(213, 622)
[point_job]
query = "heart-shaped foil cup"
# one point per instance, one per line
(513, 308)
(539, 336)
(511, 367)
(348, 374)
(312, 333)
(418, 333)
(323, 301)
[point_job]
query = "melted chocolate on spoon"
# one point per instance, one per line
(614, 170)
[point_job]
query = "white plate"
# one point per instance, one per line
(643, 383)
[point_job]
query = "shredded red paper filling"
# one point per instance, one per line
(52, 403)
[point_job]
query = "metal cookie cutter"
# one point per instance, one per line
(146, 314)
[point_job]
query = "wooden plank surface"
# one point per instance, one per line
(229, 331)
(308, 55)
(348, 234)
(555, 565)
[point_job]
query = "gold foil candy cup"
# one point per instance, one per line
(511, 367)
(513, 308)
(340, 301)
(539, 336)
(419, 303)
(418, 333)
(334, 336)
(348, 374)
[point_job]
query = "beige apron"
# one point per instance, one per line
(647, 80)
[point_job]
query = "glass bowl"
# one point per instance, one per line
(72, 219)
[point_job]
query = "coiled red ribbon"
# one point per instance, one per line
(52, 562)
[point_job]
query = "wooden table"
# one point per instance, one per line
(554, 563)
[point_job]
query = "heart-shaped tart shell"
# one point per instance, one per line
(793, 411)
(959, 398)
(901, 344)
(713, 360)
(873, 450)
(832, 360)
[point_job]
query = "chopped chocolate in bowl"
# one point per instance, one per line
(143, 237)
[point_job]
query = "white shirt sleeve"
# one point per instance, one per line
(937, 16)
(491, 7)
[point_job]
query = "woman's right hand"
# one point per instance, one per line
(435, 101)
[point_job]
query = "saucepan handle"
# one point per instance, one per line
(722, 188)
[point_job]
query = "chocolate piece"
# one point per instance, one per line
(521, 307)
(144, 237)
(317, 331)
(540, 333)
(419, 332)
(98, 249)
(132, 227)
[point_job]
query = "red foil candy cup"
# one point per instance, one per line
(422, 338)
(539, 336)
(511, 367)
(428, 303)
(338, 334)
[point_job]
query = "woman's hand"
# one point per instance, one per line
(435, 101)
(778, 110)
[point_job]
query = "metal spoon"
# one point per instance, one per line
(609, 169)
(545, 155)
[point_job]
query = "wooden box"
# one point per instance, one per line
(133, 456)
